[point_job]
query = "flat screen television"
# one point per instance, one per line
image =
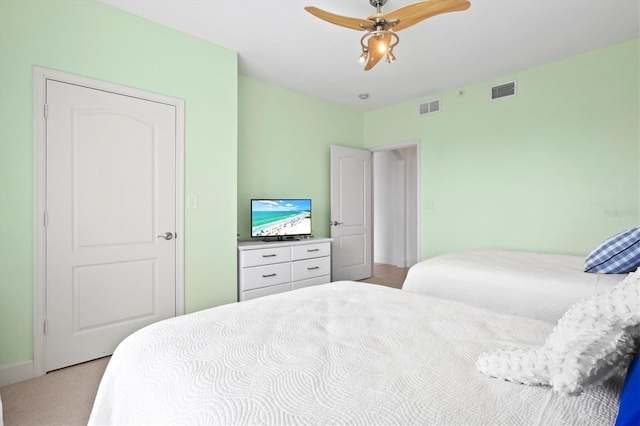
(279, 219)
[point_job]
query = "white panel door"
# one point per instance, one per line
(111, 191)
(351, 225)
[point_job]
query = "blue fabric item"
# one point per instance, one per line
(629, 410)
(617, 255)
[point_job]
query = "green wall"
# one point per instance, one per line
(101, 42)
(284, 141)
(553, 169)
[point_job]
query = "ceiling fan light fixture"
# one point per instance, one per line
(391, 58)
(365, 55)
(382, 42)
(381, 28)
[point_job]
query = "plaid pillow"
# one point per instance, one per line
(617, 255)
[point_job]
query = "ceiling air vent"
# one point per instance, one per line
(503, 90)
(430, 107)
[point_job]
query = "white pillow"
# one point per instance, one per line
(526, 366)
(595, 357)
(594, 339)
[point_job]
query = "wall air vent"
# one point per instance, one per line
(430, 107)
(503, 90)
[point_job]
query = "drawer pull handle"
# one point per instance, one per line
(312, 268)
(310, 250)
(269, 255)
(268, 275)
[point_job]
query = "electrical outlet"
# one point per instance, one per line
(192, 202)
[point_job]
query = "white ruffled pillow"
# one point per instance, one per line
(526, 366)
(597, 337)
(594, 339)
(594, 358)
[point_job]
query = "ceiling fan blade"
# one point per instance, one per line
(343, 21)
(375, 54)
(417, 12)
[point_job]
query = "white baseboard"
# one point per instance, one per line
(14, 373)
(382, 259)
(389, 261)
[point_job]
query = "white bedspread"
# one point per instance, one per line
(339, 353)
(535, 285)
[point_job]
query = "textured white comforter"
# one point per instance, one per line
(339, 353)
(535, 285)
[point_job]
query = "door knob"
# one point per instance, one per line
(335, 223)
(166, 236)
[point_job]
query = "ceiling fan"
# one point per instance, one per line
(381, 28)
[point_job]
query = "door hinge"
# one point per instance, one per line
(46, 111)
(46, 326)
(46, 219)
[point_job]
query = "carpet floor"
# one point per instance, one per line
(62, 397)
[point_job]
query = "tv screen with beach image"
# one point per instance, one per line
(277, 218)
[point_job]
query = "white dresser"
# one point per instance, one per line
(275, 267)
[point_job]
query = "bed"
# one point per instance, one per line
(535, 285)
(338, 353)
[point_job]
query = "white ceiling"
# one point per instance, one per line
(279, 42)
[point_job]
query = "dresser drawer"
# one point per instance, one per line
(264, 256)
(311, 281)
(264, 276)
(308, 251)
(310, 268)
(274, 289)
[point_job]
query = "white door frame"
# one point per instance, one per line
(408, 144)
(40, 77)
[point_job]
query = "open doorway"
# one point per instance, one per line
(396, 218)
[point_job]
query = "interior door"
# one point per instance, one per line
(111, 220)
(351, 204)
